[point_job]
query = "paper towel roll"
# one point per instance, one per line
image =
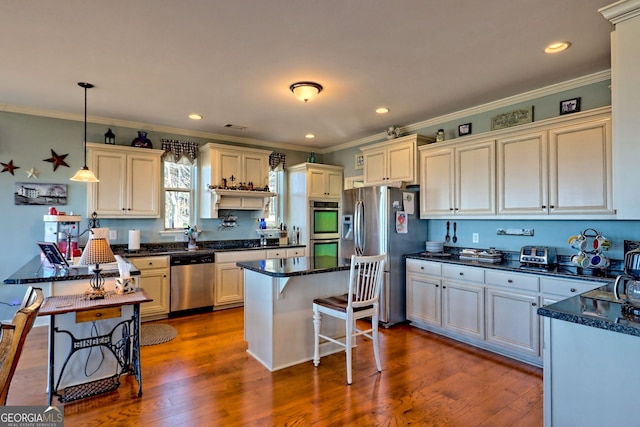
(134, 240)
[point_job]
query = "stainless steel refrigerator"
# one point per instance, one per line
(369, 228)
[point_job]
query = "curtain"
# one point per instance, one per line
(175, 151)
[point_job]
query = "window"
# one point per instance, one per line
(178, 195)
(276, 185)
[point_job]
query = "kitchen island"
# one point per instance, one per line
(278, 314)
(590, 359)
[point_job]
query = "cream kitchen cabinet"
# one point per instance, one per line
(457, 179)
(324, 182)
(424, 299)
(564, 168)
(391, 161)
(154, 279)
(463, 301)
(129, 184)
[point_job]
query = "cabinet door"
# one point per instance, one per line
(156, 283)
(423, 299)
(436, 182)
(229, 284)
(476, 179)
(334, 184)
(375, 167)
(143, 189)
(580, 168)
(107, 196)
(401, 164)
(523, 174)
(463, 308)
(255, 169)
(512, 321)
(317, 183)
(229, 165)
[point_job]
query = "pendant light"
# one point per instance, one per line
(84, 174)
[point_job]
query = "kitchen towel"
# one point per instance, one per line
(134, 240)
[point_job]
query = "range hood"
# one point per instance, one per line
(245, 200)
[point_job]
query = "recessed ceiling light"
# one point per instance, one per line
(195, 116)
(557, 47)
(309, 136)
(382, 110)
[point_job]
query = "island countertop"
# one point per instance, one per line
(35, 271)
(301, 266)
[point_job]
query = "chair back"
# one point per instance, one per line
(365, 280)
(14, 336)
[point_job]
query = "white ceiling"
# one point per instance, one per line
(156, 61)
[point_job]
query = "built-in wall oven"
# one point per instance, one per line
(324, 231)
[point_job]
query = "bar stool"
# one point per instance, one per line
(365, 280)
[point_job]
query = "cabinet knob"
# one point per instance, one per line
(509, 281)
(437, 286)
(552, 207)
(151, 263)
(533, 304)
(451, 209)
(461, 273)
(572, 289)
(544, 207)
(444, 287)
(421, 267)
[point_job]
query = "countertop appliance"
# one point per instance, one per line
(372, 212)
(192, 281)
(538, 256)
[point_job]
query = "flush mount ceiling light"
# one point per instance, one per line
(84, 174)
(309, 136)
(382, 110)
(557, 47)
(304, 91)
(195, 116)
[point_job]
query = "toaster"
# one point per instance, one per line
(543, 256)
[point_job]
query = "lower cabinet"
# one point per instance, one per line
(492, 309)
(154, 278)
(229, 283)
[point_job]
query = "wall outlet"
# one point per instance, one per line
(113, 234)
(476, 237)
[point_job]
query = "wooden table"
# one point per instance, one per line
(125, 349)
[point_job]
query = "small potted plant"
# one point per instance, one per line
(192, 233)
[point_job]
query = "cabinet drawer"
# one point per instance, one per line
(566, 288)
(296, 252)
(276, 253)
(235, 256)
(458, 272)
(150, 262)
(512, 280)
(424, 267)
(98, 314)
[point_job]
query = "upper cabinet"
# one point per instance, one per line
(394, 160)
(457, 179)
(565, 169)
(129, 184)
(316, 181)
(236, 165)
(556, 167)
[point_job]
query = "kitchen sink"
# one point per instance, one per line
(602, 296)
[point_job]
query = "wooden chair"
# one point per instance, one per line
(365, 281)
(14, 336)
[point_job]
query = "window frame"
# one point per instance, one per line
(192, 196)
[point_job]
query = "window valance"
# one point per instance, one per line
(175, 151)
(276, 159)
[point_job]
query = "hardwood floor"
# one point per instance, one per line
(205, 377)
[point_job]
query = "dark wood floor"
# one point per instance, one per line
(205, 377)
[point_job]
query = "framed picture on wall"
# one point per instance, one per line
(569, 106)
(464, 129)
(359, 161)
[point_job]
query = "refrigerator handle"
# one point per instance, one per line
(359, 227)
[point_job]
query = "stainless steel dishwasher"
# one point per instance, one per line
(192, 281)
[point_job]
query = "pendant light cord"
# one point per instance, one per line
(85, 86)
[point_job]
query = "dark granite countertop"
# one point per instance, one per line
(595, 309)
(301, 266)
(35, 271)
(204, 247)
(566, 271)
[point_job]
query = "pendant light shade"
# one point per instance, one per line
(304, 91)
(84, 174)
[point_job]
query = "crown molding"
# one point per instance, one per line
(490, 106)
(505, 102)
(621, 11)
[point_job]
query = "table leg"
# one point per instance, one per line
(52, 326)
(136, 346)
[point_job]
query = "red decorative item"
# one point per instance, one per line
(9, 167)
(57, 160)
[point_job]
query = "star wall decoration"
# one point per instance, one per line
(32, 173)
(9, 167)
(57, 160)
